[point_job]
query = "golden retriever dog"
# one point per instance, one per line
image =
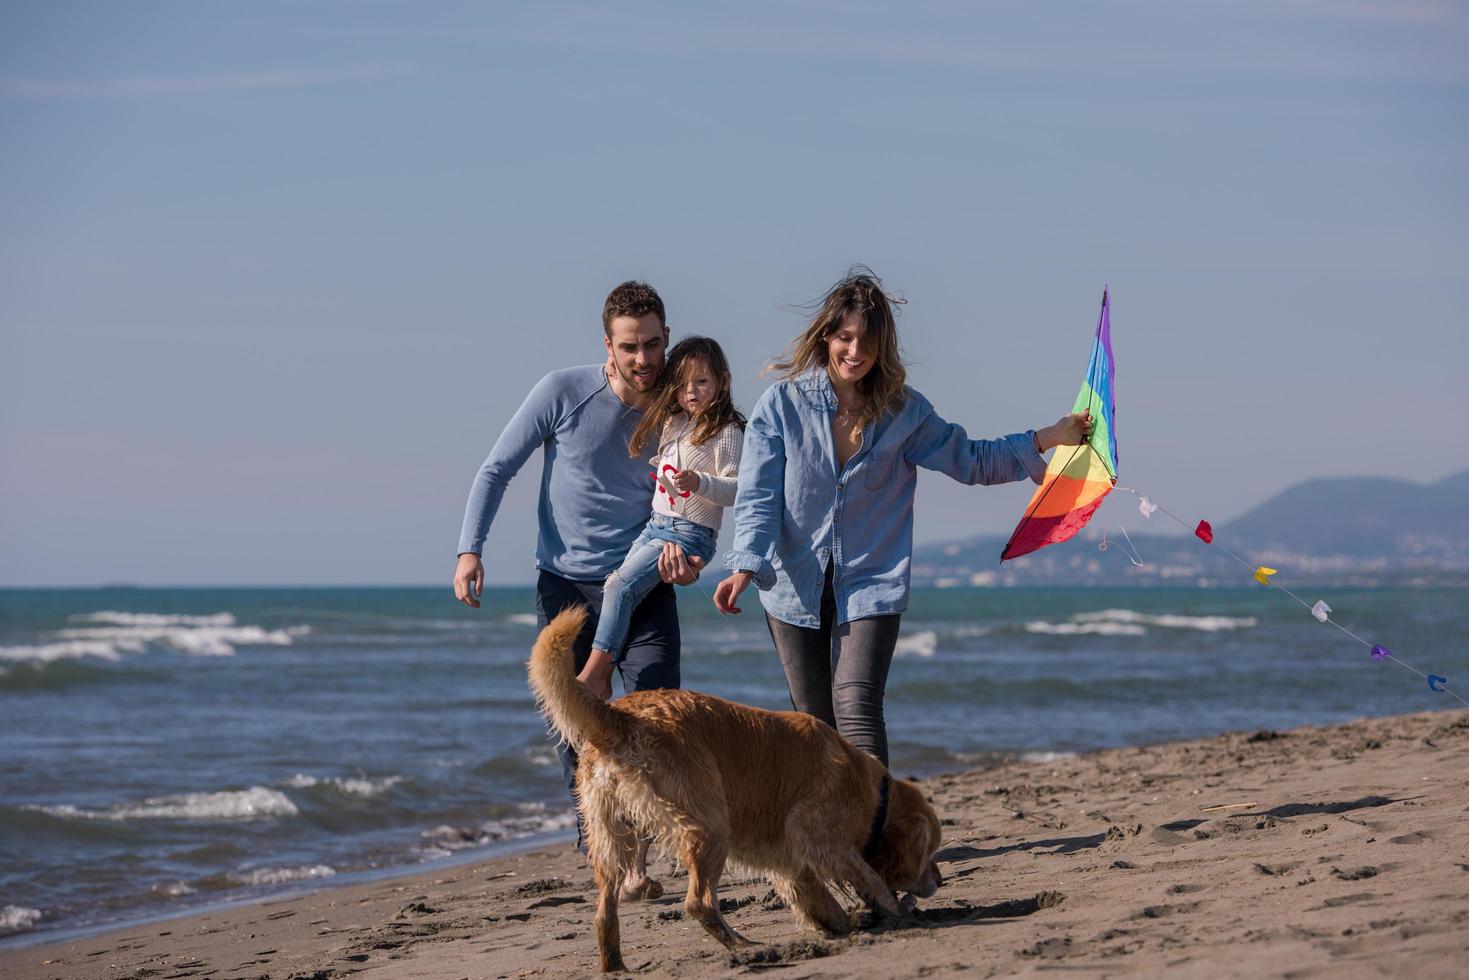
(711, 781)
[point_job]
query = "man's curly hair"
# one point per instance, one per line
(635, 299)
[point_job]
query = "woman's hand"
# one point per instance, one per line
(1070, 430)
(727, 593)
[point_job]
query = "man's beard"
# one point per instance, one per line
(631, 380)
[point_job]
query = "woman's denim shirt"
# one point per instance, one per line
(796, 511)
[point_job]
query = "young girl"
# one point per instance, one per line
(694, 478)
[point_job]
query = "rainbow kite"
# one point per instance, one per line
(1078, 477)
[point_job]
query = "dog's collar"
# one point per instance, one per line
(879, 820)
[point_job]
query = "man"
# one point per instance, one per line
(595, 498)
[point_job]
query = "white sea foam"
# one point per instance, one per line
(216, 635)
(174, 889)
(1079, 629)
(204, 641)
(522, 619)
(533, 818)
(1046, 756)
(361, 786)
(542, 757)
(923, 644)
(1207, 624)
(17, 918)
(278, 876)
(255, 803)
(154, 619)
(71, 650)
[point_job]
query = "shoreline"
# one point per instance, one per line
(490, 852)
(1334, 850)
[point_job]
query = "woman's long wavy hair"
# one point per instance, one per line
(684, 358)
(859, 292)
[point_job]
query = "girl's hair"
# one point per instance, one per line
(859, 292)
(685, 357)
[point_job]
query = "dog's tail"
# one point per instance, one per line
(572, 709)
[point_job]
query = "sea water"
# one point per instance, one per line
(164, 749)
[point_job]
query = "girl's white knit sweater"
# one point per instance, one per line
(717, 462)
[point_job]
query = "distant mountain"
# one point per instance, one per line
(1359, 516)
(1354, 530)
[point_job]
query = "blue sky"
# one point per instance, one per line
(273, 275)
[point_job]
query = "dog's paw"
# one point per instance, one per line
(644, 889)
(874, 917)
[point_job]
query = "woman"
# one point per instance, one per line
(824, 513)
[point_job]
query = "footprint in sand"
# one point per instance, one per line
(1355, 874)
(1340, 900)
(1167, 911)
(964, 912)
(1169, 833)
(1055, 948)
(801, 949)
(541, 886)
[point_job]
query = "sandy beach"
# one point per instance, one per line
(1338, 851)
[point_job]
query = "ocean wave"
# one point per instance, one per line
(154, 619)
(361, 786)
(1080, 629)
(255, 803)
(55, 675)
(175, 889)
(923, 644)
(206, 636)
(279, 876)
(542, 757)
(18, 918)
(1046, 756)
(531, 819)
(206, 641)
(1207, 624)
(45, 653)
(522, 619)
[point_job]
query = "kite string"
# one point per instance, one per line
(728, 619)
(1134, 556)
(1390, 656)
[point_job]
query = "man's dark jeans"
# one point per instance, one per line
(649, 662)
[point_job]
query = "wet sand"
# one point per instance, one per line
(1339, 851)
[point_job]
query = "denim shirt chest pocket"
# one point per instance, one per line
(880, 465)
(887, 441)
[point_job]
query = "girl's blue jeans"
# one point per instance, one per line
(638, 574)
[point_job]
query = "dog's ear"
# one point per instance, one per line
(903, 850)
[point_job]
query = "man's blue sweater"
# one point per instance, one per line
(595, 498)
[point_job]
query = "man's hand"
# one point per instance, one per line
(1070, 430)
(687, 481)
(469, 579)
(674, 567)
(727, 593)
